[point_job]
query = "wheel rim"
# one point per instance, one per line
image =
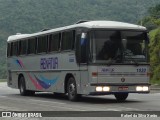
(21, 88)
(72, 90)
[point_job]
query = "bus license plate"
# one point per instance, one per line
(123, 88)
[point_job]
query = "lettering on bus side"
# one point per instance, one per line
(106, 70)
(49, 63)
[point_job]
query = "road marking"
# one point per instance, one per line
(53, 106)
(81, 108)
(133, 109)
(2, 96)
(120, 108)
(47, 101)
(110, 109)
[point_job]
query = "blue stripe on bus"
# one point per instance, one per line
(46, 83)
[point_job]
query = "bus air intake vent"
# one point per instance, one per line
(45, 29)
(81, 21)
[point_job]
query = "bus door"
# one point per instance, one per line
(82, 60)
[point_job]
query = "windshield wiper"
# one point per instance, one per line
(112, 60)
(124, 54)
(132, 59)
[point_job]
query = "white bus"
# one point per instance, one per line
(87, 58)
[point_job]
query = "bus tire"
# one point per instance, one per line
(22, 88)
(72, 89)
(121, 97)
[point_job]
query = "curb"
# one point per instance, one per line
(155, 87)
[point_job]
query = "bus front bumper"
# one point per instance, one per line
(105, 89)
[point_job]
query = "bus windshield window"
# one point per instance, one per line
(107, 44)
(135, 46)
(120, 46)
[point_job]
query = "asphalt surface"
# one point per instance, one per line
(10, 100)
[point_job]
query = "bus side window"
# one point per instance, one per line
(22, 47)
(14, 48)
(54, 42)
(11, 52)
(68, 40)
(42, 44)
(8, 49)
(32, 43)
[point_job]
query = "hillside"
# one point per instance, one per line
(27, 16)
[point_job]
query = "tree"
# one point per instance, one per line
(155, 55)
(152, 21)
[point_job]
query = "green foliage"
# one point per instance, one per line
(28, 16)
(155, 11)
(148, 22)
(155, 55)
(152, 21)
(3, 80)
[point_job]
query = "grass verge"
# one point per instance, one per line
(3, 80)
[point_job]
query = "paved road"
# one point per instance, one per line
(10, 100)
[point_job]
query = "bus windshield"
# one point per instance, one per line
(117, 46)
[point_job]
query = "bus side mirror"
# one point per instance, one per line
(147, 38)
(124, 43)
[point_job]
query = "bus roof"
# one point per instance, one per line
(88, 24)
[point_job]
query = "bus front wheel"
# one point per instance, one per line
(22, 88)
(72, 89)
(121, 96)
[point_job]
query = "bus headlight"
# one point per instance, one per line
(106, 89)
(142, 88)
(139, 88)
(145, 88)
(102, 89)
(99, 89)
